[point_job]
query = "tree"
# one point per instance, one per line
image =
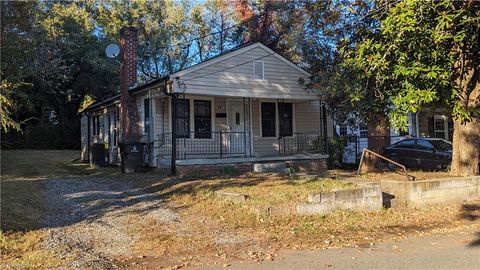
(421, 53)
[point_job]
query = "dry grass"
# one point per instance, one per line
(19, 250)
(277, 190)
(387, 175)
(206, 218)
(22, 204)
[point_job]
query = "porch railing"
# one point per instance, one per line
(219, 144)
(302, 143)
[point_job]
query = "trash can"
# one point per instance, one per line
(99, 152)
(132, 157)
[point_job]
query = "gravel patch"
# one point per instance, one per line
(90, 220)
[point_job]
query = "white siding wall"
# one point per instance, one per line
(234, 77)
(306, 119)
(84, 138)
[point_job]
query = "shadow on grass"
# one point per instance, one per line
(29, 204)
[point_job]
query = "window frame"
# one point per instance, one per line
(210, 118)
(280, 119)
(187, 101)
(263, 71)
(342, 127)
(146, 118)
(191, 121)
(277, 120)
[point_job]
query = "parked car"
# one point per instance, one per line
(421, 153)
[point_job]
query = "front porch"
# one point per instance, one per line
(227, 129)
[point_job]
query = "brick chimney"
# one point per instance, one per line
(128, 78)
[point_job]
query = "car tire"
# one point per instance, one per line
(391, 166)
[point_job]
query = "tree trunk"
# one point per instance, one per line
(466, 148)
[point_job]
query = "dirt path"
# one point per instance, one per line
(91, 221)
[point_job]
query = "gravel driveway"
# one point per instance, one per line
(91, 220)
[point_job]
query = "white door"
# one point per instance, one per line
(236, 137)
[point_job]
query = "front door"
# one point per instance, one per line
(235, 138)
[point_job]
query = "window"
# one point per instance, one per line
(442, 145)
(424, 145)
(408, 144)
(440, 128)
(202, 118)
(258, 70)
(146, 115)
(96, 125)
(268, 119)
(343, 130)
(285, 114)
(114, 129)
(363, 130)
(182, 118)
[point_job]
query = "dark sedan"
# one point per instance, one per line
(421, 153)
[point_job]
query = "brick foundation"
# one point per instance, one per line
(318, 166)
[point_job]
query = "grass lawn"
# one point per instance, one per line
(276, 190)
(208, 228)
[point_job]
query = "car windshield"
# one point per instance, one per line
(441, 145)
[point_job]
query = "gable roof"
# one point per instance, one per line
(217, 58)
(220, 57)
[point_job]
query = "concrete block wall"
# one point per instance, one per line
(428, 192)
(364, 198)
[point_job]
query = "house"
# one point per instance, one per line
(244, 106)
(430, 122)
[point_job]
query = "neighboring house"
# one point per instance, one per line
(246, 104)
(429, 122)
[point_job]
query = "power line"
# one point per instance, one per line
(227, 68)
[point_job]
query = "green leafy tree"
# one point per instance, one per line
(421, 53)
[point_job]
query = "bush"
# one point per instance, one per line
(43, 136)
(336, 146)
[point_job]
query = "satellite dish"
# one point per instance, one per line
(112, 51)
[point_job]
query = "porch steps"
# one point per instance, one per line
(272, 167)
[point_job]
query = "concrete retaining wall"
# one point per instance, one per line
(365, 198)
(427, 192)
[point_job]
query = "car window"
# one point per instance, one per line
(424, 145)
(408, 144)
(442, 145)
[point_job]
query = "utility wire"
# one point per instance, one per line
(227, 68)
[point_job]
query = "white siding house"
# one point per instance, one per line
(246, 103)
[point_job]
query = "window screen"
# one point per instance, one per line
(286, 119)
(268, 119)
(363, 130)
(182, 118)
(203, 119)
(258, 70)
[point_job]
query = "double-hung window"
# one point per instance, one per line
(285, 113)
(202, 118)
(96, 125)
(268, 119)
(182, 118)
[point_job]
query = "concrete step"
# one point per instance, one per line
(273, 167)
